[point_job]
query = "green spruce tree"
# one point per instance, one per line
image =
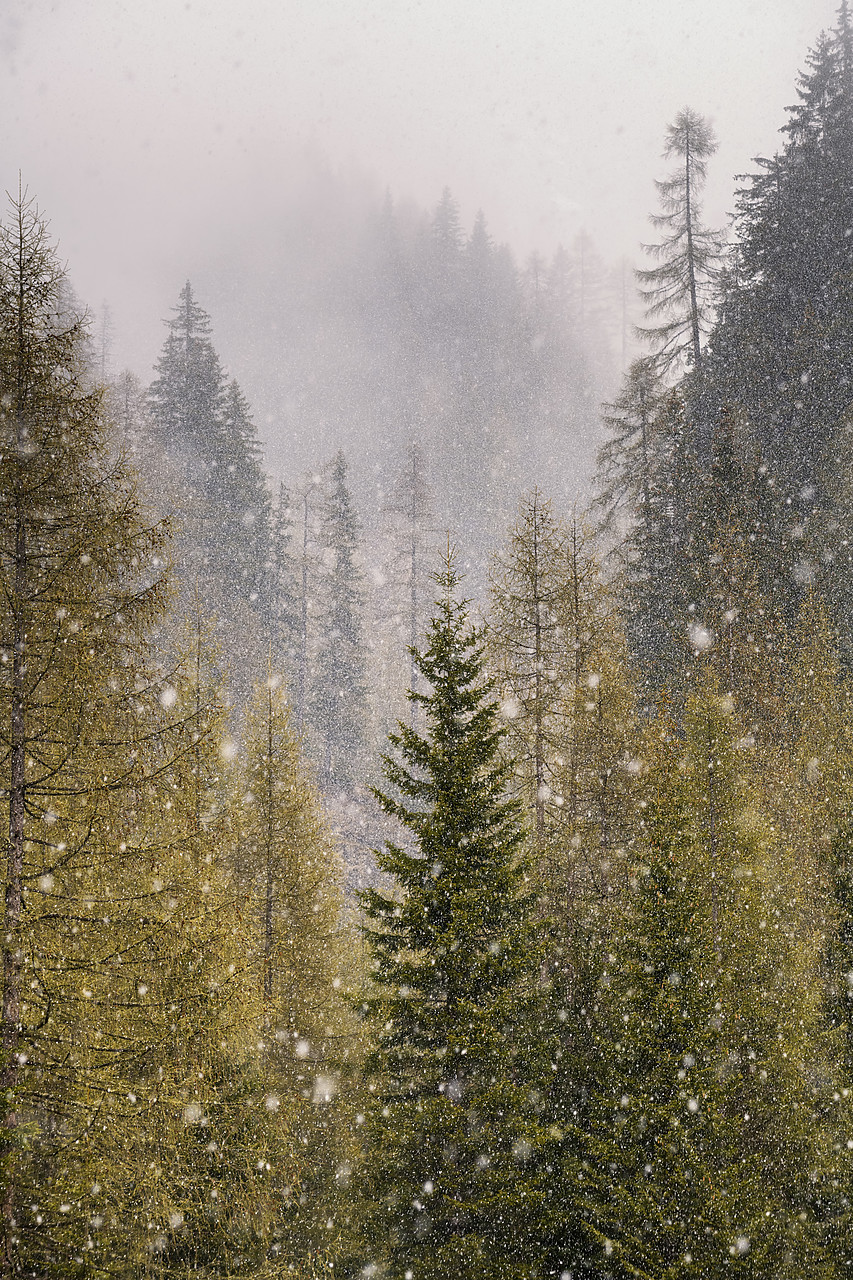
(452, 1173)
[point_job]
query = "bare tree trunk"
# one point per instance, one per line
(539, 726)
(691, 262)
(303, 622)
(269, 891)
(12, 958)
(9, 1070)
(712, 845)
(413, 603)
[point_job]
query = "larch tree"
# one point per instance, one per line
(815, 731)
(527, 644)
(302, 953)
(291, 873)
(192, 1168)
(655, 1183)
(761, 954)
(557, 652)
(81, 580)
(679, 291)
(126, 1001)
(701, 1143)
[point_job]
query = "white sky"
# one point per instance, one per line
(151, 128)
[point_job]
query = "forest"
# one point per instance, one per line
(459, 886)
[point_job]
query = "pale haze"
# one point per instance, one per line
(161, 136)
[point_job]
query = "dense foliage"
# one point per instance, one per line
(451, 1176)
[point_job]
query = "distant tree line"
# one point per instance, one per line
(365, 324)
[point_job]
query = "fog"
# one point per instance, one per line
(244, 146)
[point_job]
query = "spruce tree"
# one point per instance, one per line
(628, 462)
(780, 351)
(784, 340)
(661, 552)
(205, 471)
(452, 1174)
(240, 502)
(187, 395)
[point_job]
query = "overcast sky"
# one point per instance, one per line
(149, 129)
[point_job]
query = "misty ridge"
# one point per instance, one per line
(357, 324)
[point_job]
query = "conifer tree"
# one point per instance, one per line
(838, 957)
(680, 289)
(704, 1147)
(662, 552)
(595, 770)
(835, 1045)
(452, 1173)
(301, 953)
(187, 395)
(761, 954)
(222, 1150)
(446, 227)
(558, 654)
(284, 586)
(738, 602)
(81, 579)
(127, 400)
(781, 348)
(411, 504)
(205, 442)
(657, 1185)
(785, 332)
(628, 463)
(338, 695)
(816, 733)
(291, 875)
(240, 501)
(528, 645)
(129, 1080)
